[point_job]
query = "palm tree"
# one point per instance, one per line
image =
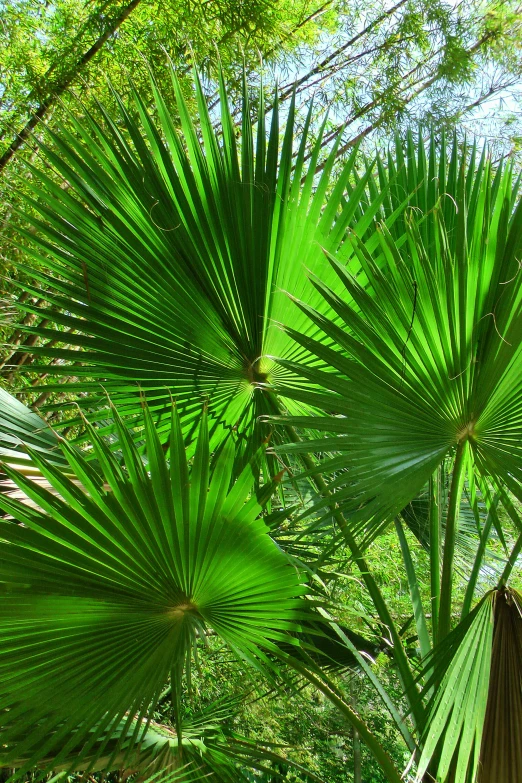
(148, 555)
(151, 551)
(164, 252)
(167, 259)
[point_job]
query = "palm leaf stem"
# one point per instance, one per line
(176, 675)
(379, 603)
(328, 689)
(517, 522)
(435, 537)
(449, 541)
(413, 584)
(479, 557)
(398, 719)
(512, 560)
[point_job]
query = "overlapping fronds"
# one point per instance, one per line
(427, 358)
(473, 718)
(319, 642)
(478, 522)
(106, 585)
(437, 177)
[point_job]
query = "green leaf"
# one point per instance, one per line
(424, 354)
(168, 257)
(208, 748)
(473, 716)
(454, 727)
(125, 559)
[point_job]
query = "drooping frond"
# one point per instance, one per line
(455, 720)
(473, 719)
(501, 751)
(210, 749)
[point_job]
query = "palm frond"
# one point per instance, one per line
(427, 358)
(327, 648)
(144, 556)
(501, 751)
(21, 427)
(473, 716)
(169, 254)
(455, 715)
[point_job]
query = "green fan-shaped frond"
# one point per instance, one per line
(170, 251)
(107, 581)
(427, 361)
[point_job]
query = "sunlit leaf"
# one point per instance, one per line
(108, 581)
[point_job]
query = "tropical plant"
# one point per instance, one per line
(425, 369)
(167, 259)
(146, 556)
(209, 748)
(166, 263)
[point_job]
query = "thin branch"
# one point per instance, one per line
(44, 108)
(287, 91)
(369, 106)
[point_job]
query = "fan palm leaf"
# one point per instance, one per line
(425, 365)
(106, 585)
(166, 257)
(435, 175)
(421, 371)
